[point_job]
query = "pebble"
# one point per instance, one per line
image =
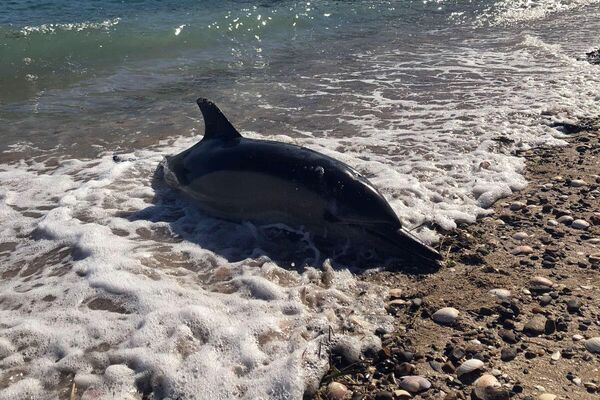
(395, 293)
(502, 294)
(517, 205)
(508, 354)
(414, 383)
(384, 395)
(580, 224)
(522, 250)
(487, 387)
(535, 326)
(547, 396)
(577, 337)
(520, 236)
(553, 222)
(594, 258)
(593, 345)
(402, 394)
(573, 305)
(555, 356)
(541, 281)
(578, 183)
(469, 366)
(336, 391)
(445, 316)
(566, 219)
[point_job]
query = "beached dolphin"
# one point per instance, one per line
(262, 181)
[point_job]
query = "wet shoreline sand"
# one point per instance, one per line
(533, 340)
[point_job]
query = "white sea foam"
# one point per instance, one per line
(98, 291)
(516, 11)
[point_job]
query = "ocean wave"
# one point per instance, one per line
(75, 26)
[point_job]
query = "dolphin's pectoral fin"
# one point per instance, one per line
(216, 125)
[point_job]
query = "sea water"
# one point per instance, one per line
(114, 282)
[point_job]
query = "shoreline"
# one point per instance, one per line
(531, 341)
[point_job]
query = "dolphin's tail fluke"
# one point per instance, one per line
(408, 245)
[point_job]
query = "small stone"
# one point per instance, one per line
(508, 336)
(566, 219)
(536, 326)
(336, 391)
(384, 395)
(520, 236)
(593, 345)
(402, 394)
(577, 337)
(517, 205)
(414, 383)
(522, 250)
(573, 305)
(487, 387)
(580, 224)
(553, 222)
(547, 396)
(508, 354)
(469, 366)
(577, 381)
(502, 294)
(541, 281)
(445, 316)
(555, 356)
(578, 183)
(395, 293)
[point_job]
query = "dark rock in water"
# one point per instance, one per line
(593, 57)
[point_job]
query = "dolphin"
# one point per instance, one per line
(263, 181)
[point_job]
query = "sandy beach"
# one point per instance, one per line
(525, 285)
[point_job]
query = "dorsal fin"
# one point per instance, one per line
(216, 125)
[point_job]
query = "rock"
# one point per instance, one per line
(547, 396)
(508, 336)
(402, 394)
(445, 316)
(555, 356)
(577, 338)
(520, 236)
(414, 383)
(522, 250)
(594, 258)
(541, 281)
(336, 391)
(593, 345)
(566, 219)
(578, 183)
(487, 387)
(508, 354)
(502, 294)
(580, 224)
(573, 305)
(469, 366)
(553, 222)
(395, 293)
(517, 205)
(384, 395)
(535, 326)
